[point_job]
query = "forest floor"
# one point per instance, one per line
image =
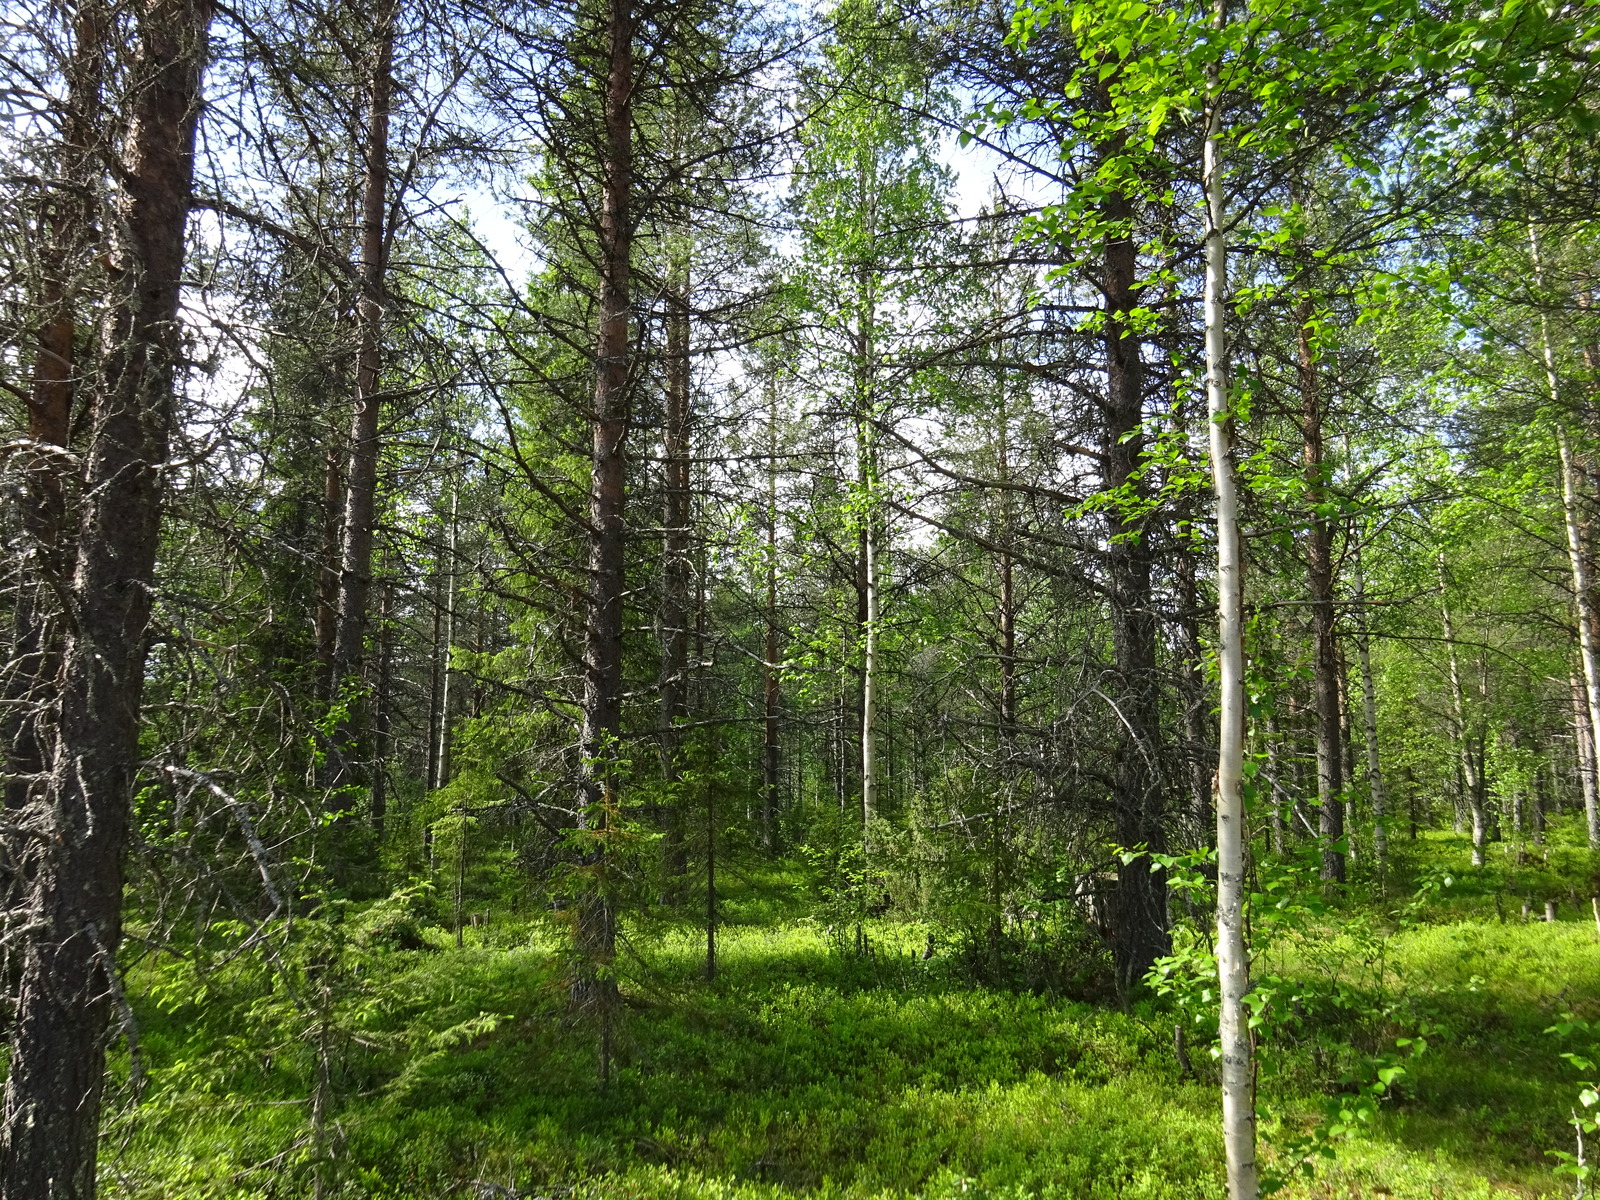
(812, 1068)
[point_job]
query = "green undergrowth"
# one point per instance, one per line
(825, 1066)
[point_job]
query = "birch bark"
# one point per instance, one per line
(1233, 966)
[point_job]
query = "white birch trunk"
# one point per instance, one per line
(1583, 598)
(1470, 783)
(1583, 737)
(1582, 584)
(1233, 966)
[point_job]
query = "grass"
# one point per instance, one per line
(804, 1070)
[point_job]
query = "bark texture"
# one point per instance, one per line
(1471, 776)
(1369, 715)
(1141, 935)
(677, 566)
(361, 479)
(68, 228)
(1233, 965)
(593, 988)
(770, 697)
(75, 869)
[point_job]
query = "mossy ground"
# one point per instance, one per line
(810, 1069)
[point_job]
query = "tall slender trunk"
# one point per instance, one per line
(676, 566)
(1196, 706)
(361, 479)
(1007, 568)
(1280, 823)
(75, 870)
(1369, 713)
(1352, 820)
(1319, 580)
(1140, 927)
(1233, 963)
(1192, 695)
(594, 989)
(383, 703)
(68, 226)
(435, 673)
(1583, 732)
(326, 621)
(445, 640)
(769, 668)
(1471, 784)
(711, 870)
(869, 679)
(1583, 596)
(867, 483)
(1584, 604)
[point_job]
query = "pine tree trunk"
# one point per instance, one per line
(676, 566)
(68, 227)
(445, 640)
(594, 989)
(58, 1041)
(1008, 598)
(383, 705)
(1140, 926)
(1233, 964)
(361, 480)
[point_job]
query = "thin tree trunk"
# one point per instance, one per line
(382, 707)
(1280, 824)
(326, 622)
(58, 1040)
(867, 481)
(444, 645)
(1471, 789)
(1008, 596)
(361, 480)
(1319, 579)
(1352, 819)
(1577, 552)
(1233, 963)
(711, 875)
(769, 684)
(869, 682)
(435, 671)
(1583, 732)
(594, 989)
(1583, 602)
(1192, 695)
(68, 225)
(1008, 697)
(676, 566)
(1537, 811)
(1369, 712)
